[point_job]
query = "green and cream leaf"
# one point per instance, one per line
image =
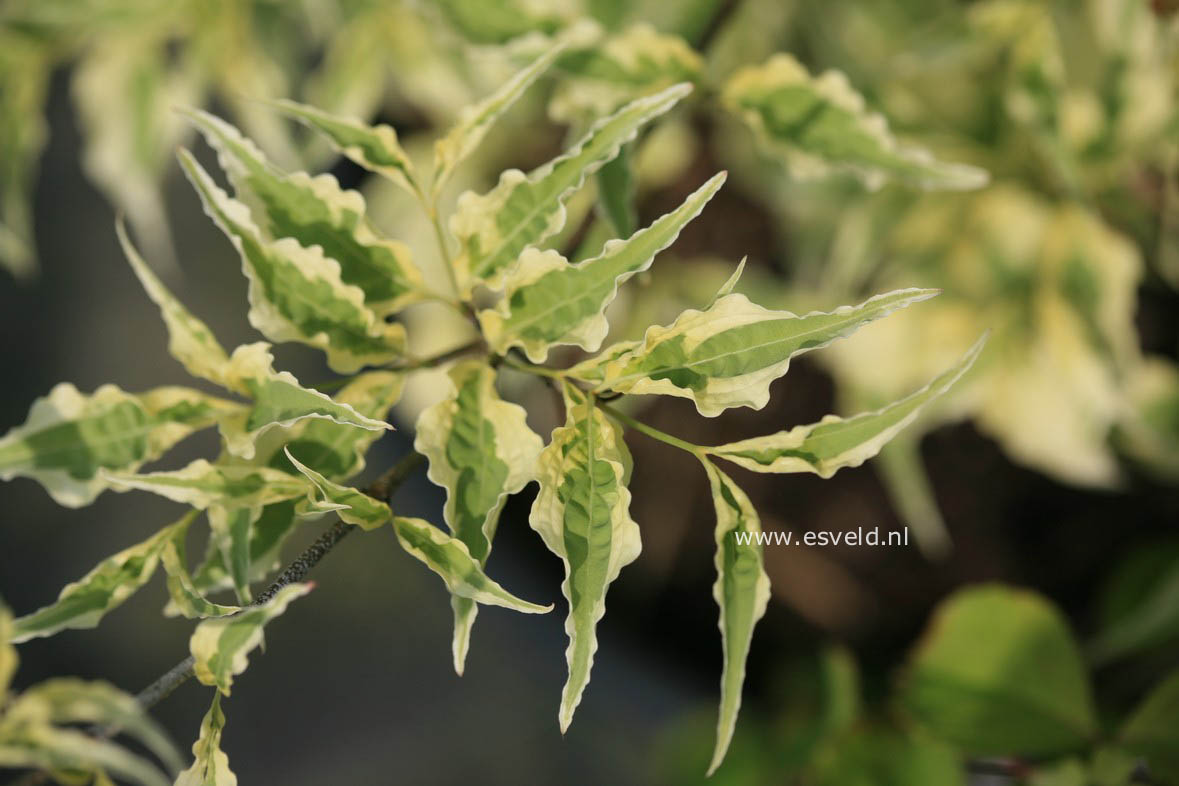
(626, 65)
(337, 449)
(315, 211)
(204, 485)
(354, 507)
(280, 402)
(83, 603)
(190, 340)
(480, 449)
(835, 442)
(186, 599)
(582, 514)
(548, 302)
(296, 293)
(373, 147)
(522, 210)
(70, 438)
(210, 765)
(68, 700)
(476, 120)
(742, 591)
(820, 124)
(449, 558)
(221, 647)
(727, 355)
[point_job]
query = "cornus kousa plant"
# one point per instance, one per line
(321, 274)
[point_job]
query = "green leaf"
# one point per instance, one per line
(373, 147)
(885, 757)
(83, 603)
(450, 559)
(1141, 608)
(280, 401)
(742, 590)
(221, 647)
(70, 700)
(210, 766)
(820, 124)
(1150, 730)
(549, 302)
(522, 210)
(315, 211)
(70, 438)
(997, 672)
(203, 485)
(582, 514)
(190, 340)
(480, 450)
(185, 597)
(833, 443)
(8, 656)
(476, 120)
(727, 355)
(352, 506)
(296, 293)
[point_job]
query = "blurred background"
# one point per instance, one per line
(1054, 467)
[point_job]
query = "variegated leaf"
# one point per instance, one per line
(523, 210)
(742, 590)
(727, 355)
(185, 597)
(500, 21)
(634, 62)
(229, 532)
(373, 147)
(210, 766)
(279, 401)
(69, 700)
(582, 512)
(730, 283)
(337, 450)
(354, 507)
(820, 124)
(8, 657)
(69, 437)
(221, 647)
(32, 744)
(296, 293)
(315, 211)
(835, 442)
(124, 87)
(190, 340)
(268, 532)
(476, 120)
(450, 559)
(83, 603)
(203, 485)
(480, 450)
(549, 302)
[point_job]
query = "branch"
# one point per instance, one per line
(381, 488)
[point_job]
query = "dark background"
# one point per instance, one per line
(356, 684)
